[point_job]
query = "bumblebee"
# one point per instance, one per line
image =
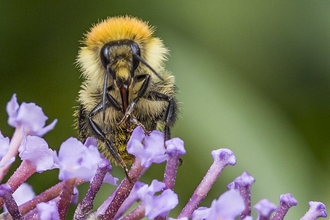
(125, 85)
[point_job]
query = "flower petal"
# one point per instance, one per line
(36, 150)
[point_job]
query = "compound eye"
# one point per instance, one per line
(136, 51)
(135, 63)
(104, 56)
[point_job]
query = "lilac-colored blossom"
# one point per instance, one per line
(265, 208)
(224, 156)
(23, 194)
(175, 146)
(90, 141)
(4, 145)
(242, 184)
(200, 213)
(174, 149)
(229, 205)
(76, 160)
(28, 115)
(157, 205)
(48, 211)
(154, 187)
(316, 210)
(36, 150)
(286, 202)
(245, 179)
(108, 177)
(151, 151)
(104, 164)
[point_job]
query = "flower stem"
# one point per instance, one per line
(286, 202)
(65, 197)
(23, 172)
(222, 158)
(46, 196)
(124, 189)
(86, 205)
(174, 149)
(137, 213)
(6, 194)
(242, 185)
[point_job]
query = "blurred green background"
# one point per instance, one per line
(253, 77)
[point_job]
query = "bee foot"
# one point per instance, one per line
(122, 120)
(147, 133)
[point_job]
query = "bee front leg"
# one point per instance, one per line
(97, 131)
(134, 120)
(132, 105)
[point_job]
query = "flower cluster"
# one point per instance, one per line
(81, 162)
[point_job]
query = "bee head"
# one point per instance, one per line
(119, 59)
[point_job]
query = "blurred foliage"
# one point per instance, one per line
(253, 77)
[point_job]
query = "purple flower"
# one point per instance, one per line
(152, 151)
(104, 164)
(36, 150)
(90, 142)
(265, 208)
(157, 205)
(28, 115)
(82, 162)
(200, 213)
(4, 145)
(175, 146)
(48, 211)
(23, 194)
(108, 178)
(286, 202)
(224, 156)
(229, 205)
(76, 160)
(174, 149)
(242, 184)
(244, 180)
(316, 210)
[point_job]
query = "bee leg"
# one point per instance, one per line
(97, 131)
(171, 111)
(141, 92)
(134, 120)
(169, 118)
(109, 102)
